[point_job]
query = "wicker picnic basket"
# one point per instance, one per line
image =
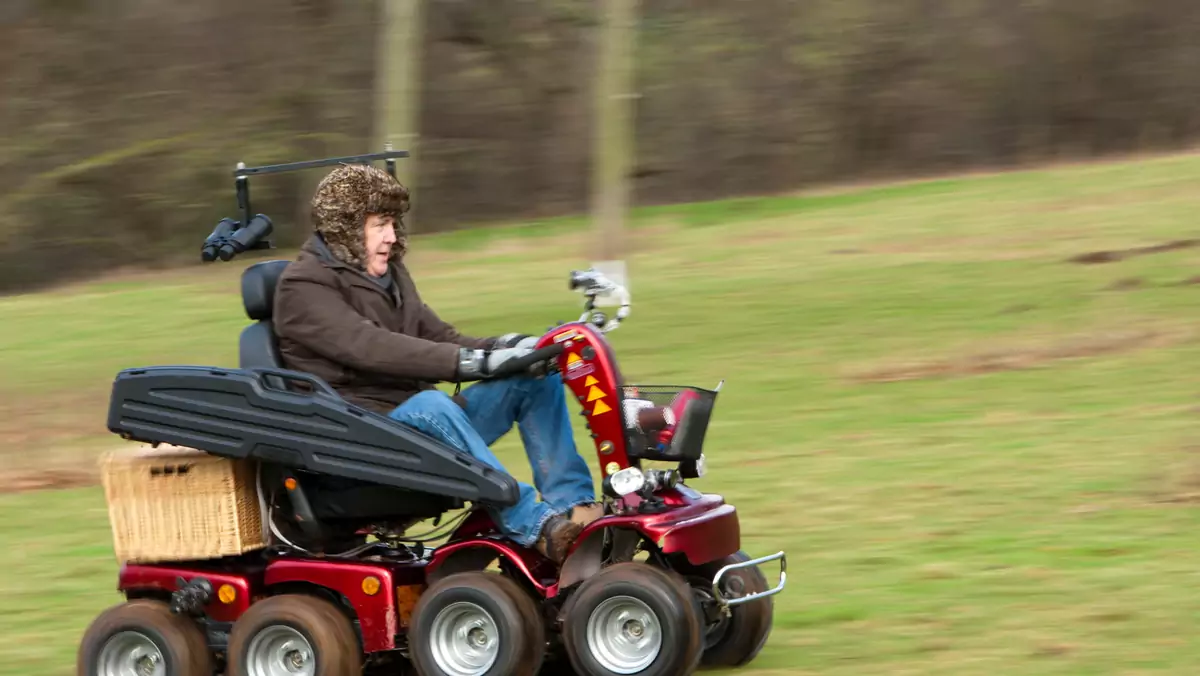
(177, 504)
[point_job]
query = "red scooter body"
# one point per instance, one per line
(381, 594)
(700, 527)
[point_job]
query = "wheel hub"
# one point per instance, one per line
(280, 651)
(296, 659)
(131, 653)
(464, 640)
(624, 635)
(146, 665)
(735, 587)
(716, 624)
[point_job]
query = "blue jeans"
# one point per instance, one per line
(538, 406)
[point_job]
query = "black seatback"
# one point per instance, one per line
(257, 346)
(258, 288)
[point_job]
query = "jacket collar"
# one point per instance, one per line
(316, 247)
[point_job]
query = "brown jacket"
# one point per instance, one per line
(376, 347)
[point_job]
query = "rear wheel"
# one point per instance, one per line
(477, 624)
(293, 635)
(143, 638)
(632, 618)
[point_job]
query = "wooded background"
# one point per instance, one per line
(123, 119)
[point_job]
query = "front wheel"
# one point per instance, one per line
(143, 638)
(735, 640)
(632, 618)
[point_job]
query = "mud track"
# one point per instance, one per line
(44, 480)
(1098, 257)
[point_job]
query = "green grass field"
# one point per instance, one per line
(981, 458)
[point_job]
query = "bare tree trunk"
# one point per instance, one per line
(397, 110)
(310, 108)
(613, 153)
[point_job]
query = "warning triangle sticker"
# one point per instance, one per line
(573, 358)
(591, 380)
(595, 393)
(601, 407)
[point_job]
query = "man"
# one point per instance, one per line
(347, 311)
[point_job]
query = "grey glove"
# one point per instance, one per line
(517, 340)
(480, 364)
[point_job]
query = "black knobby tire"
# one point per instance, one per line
(619, 597)
(535, 622)
(330, 637)
(510, 621)
(179, 640)
(738, 639)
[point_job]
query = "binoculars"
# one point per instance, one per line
(229, 238)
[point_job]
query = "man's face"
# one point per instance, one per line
(380, 236)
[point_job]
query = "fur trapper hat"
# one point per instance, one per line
(342, 202)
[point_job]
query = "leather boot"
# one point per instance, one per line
(558, 534)
(585, 514)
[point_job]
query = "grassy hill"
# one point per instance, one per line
(981, 455)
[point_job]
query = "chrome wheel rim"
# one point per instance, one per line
(624, 635)
(464, 640)
(280, 651)
(131, 653)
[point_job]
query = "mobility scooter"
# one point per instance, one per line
(657, 586)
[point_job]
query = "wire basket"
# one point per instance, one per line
(666, 422)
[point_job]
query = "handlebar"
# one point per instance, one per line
(591, 281)
(594, 283)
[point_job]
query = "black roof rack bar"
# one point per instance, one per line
(312, 164)
(253, 232)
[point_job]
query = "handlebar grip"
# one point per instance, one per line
(589, 280)
(522, 364)
(578, 279)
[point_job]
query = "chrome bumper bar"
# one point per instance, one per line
(725, 603)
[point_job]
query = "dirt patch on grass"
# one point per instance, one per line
(21, 482)
(1020, 357)
(30, 422)
(1097, 257)
(1127, 284)
(1018, 309)
(1181, 479)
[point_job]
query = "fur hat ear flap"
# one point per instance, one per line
(345, 198)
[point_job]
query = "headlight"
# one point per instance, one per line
(623, 482)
